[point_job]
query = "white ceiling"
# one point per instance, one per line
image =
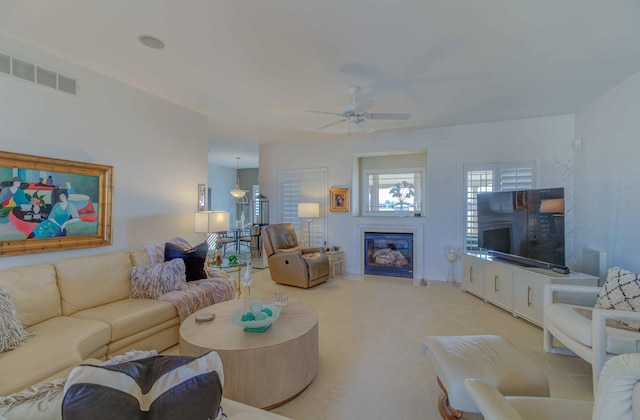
(254, 66)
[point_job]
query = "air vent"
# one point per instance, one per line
(5, 64)
(34, 73)
(24, 70)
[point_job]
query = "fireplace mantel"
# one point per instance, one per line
(418, 245)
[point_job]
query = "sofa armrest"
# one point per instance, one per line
(312, 250)
(549, 289)
(491, 403)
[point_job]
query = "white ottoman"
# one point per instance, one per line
(490, 358)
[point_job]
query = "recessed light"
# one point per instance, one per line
(151, 42)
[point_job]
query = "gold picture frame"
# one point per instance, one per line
(339, 199)
(49, 204)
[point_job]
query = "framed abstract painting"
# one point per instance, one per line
(51, 204)
(339, 199)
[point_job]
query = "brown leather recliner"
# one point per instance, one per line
(288, 262)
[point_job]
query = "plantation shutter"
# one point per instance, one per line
(489, 177)
(304, 186)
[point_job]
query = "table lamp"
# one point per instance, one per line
(309, 210)
(211, 222)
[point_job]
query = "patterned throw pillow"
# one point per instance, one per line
(12, 333)
(194, 258)
(159, 387)
(158, 279)
(621, 292)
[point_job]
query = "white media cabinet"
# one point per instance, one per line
(515, 288)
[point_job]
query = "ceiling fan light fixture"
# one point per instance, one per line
(357, 113)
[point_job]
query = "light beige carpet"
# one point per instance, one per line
(371, 330)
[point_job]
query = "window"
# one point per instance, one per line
(379, 197)
(488, 177)
(376, 174)
(304, 186)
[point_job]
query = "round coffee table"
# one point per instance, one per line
(266, 369)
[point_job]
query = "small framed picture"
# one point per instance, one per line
(202, 197)
(339, 199)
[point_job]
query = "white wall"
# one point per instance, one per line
(607, 174)
(158, 149)
(221, 180)
(546, 140)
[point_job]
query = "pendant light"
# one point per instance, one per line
(237, 192)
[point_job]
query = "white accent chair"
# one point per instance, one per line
(617, 397)
(591, 339)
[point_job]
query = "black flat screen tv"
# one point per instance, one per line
(524, 226)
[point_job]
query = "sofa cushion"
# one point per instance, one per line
(130, 316)
(621, 292)
(59, 343)
(194, 259)
(158, 279)
(88, 282)
(140, 258)
(12, 333)
(158, 387)
(34, 291)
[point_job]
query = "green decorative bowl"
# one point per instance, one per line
(255, 325)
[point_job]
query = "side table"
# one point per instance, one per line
(231, 269)
(336, 258)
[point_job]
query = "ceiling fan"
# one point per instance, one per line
(356, 113)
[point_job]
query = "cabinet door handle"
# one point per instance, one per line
(495, 283)
(528, 295)
(471, 274)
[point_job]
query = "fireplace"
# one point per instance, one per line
(388, 254)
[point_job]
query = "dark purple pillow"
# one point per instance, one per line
(194, 259)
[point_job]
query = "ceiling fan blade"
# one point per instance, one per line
(325, 112)
(333, 123)
(365, 127)
(364, 104)
(400, 116)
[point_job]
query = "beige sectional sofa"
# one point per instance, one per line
(79, 309)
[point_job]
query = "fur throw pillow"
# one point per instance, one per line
(158, 279)
(12, 333)
(621, 292)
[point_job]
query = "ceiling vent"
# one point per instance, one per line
(33, 73)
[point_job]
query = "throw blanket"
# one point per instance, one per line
(200, 294)
(588, 313)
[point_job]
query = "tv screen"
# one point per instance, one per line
(497, 239)
(528, 224)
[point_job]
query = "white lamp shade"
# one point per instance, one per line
(308, 209)
(554, 205)
(211, 221)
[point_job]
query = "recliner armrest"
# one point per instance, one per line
(617, 388)
(312, 250)
(491, 403)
